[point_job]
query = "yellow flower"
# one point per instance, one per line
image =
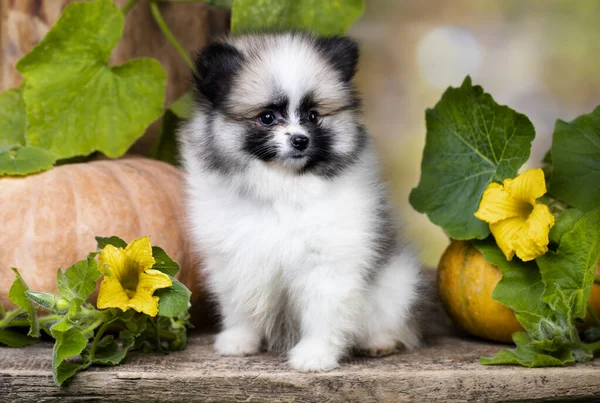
(519, 224)
(129, 281)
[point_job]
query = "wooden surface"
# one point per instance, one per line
(448, 371)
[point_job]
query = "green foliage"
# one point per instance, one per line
(576, 161)
(568, 273)
(76, 104)
(84, 335)
(12, 117)
(69, 344)
(113, 240)
(324, 17)
(18, 296)
(163, 262)
(551, 338)
(471, 141)
(528, 355)
(24, 160)
(11, 338)
(174, 300)
(564, 223)
(83, 276)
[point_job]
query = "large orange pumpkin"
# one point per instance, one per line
(465, 285)
(49, 220)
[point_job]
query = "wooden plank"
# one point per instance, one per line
(447, 371)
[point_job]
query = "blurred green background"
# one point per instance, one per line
(540, 57)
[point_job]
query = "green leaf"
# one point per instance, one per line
(471, 141)
(69, 344)
(18, 296)
(564, 222)
(163, 262)
(166, 147)
(19, 161)
(323, 17)
(576, 161)
(113, 240)
(527, 355)
(82, 277)
(173, 300)
(77, 104)
(11, 338)
(568, 273)
(520, 288)
(12, 117)
(111, 351)
(63, 285)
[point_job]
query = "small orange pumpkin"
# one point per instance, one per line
(50, 220)
(465, 284)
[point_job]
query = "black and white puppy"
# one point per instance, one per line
(287, 206)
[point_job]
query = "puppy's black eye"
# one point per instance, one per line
(266, 118)
(313, 117)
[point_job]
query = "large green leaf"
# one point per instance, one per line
(18, 160)
(12, 117)
(166, 147)
(83, 276)
(471, 141)
(520, 288)
(324, 17)
(568, 273)
(76, 103)
(576, 161)
(69, 344)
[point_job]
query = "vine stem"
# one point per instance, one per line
(168, 34)
(8, 318)
(592, 347)
(98, 337)
(128, 6)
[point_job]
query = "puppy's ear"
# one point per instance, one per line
(216, 65)
(342, 52)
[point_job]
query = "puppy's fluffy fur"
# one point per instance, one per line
(287, 206)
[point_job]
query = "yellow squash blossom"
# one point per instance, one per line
(129, 280)
(519, 224)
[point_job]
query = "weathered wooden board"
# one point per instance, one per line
(447, 371)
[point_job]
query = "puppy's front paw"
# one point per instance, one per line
(237, 341)
(313, 356)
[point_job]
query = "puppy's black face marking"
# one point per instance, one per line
(260, 143)
(216, 66)
(259, 137)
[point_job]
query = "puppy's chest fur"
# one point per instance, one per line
(263, 251)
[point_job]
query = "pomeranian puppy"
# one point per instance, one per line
(287, 206)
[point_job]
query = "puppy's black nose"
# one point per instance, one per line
(299, 142)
